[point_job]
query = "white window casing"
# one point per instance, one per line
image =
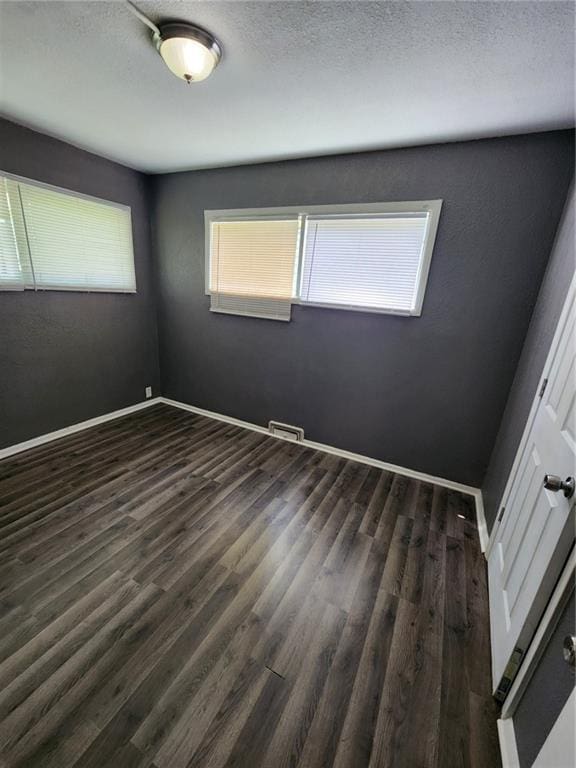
(363, 257)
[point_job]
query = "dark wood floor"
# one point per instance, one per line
(179, 592)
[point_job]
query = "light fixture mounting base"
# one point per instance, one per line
(192, 31)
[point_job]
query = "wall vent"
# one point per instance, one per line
(286, 431)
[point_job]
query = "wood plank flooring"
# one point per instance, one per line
(176, 592)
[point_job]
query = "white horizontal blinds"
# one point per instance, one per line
(252, 266)
(270, 309)
(77, 243)
(364, 261)
(14, 264)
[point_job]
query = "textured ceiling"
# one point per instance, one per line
(297, 78)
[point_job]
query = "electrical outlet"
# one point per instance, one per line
(148, 392)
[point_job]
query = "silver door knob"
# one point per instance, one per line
(569, 650)
(555, 483)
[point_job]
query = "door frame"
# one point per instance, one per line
(546, 627)
(532, 415)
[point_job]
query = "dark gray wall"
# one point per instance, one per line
(538, 339)
(547, 692)
(66, 356)
(426, 393)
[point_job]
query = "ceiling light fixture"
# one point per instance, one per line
(190, 52)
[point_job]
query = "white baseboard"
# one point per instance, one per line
(507, 739)
(344, 454)
(217, 416)
(47, 438)
(481, 522)
(36, 441)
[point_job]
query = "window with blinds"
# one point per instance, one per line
(369, 262)
(51, 239)
(371, 258)
(253, 266)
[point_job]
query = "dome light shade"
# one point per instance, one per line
(188, 51)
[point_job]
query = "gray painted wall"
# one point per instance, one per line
(66, 356)
(538, 339)
(426, 393)
(547, 692)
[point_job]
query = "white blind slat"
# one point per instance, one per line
(371, 262)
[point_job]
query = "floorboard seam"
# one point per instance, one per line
(275, 673)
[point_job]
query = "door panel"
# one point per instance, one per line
(526, 499)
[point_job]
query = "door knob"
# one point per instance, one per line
(555, 483)
(569, 650)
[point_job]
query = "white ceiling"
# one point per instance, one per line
(297, 78)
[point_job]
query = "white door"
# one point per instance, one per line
(536, 530)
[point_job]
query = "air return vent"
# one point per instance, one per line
(286, 431)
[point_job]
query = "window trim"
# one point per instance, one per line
(81, 195)
(432, 207)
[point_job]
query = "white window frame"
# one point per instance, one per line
(82, 196)
(432, 207)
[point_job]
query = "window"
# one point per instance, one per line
(51, 239)
(252, 266)
(372, 258)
